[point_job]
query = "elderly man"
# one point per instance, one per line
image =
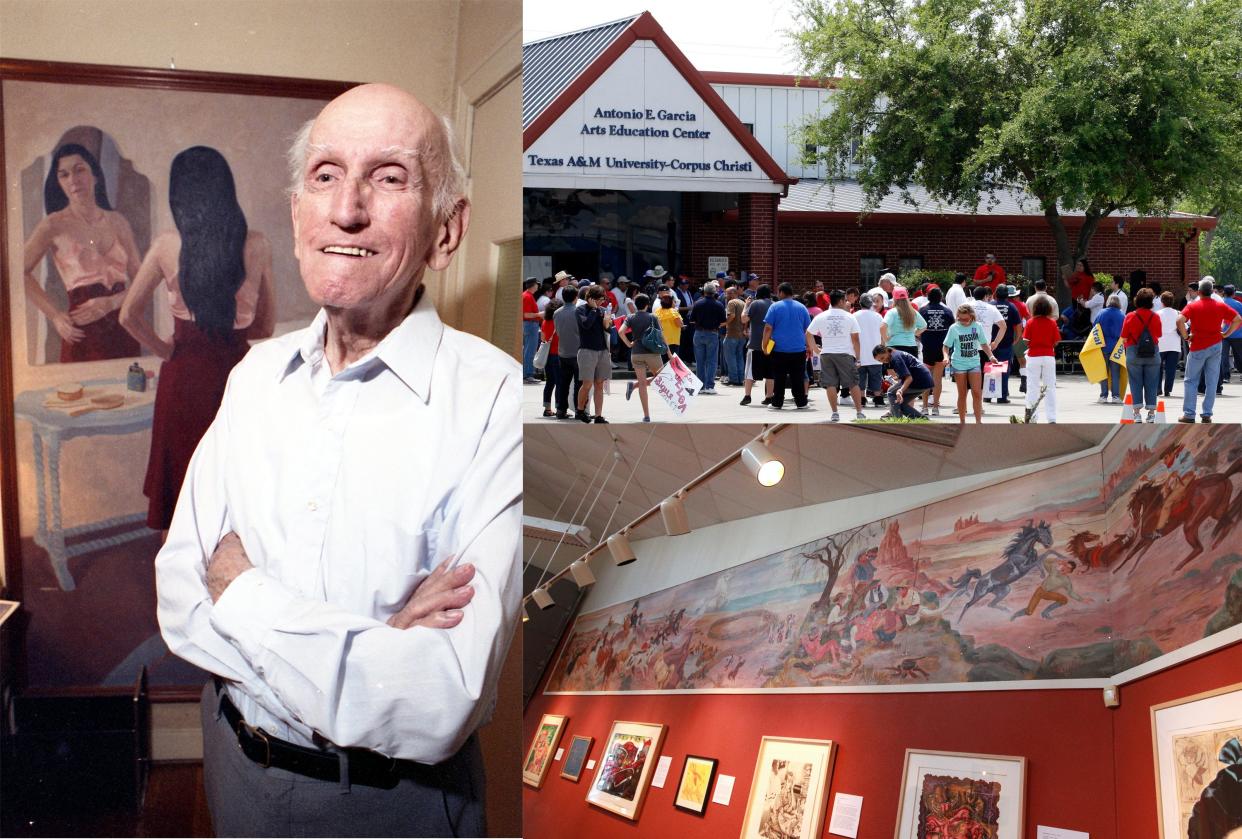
(344, 552)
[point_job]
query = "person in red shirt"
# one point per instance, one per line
(1204, 317)
(1142, 354)
(989, 273)
(530, 330)
(1081, 281)
(1041, 334)
(551, 367)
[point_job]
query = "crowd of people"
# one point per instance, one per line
(889, 347)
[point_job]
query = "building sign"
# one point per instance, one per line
(717, 265)
(641, 125)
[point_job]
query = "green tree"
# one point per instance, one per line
(1223, 260)
(1088, 105)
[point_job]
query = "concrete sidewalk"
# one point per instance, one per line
(1076, 403)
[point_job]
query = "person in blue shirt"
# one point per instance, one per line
(784, 331)
(1233, 344)
(1110, 322)
(913, 380)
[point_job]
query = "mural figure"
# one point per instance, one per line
(1021, 558)
(1186, 501)
(1057, 588)
(1218, 812)
(1092, 552)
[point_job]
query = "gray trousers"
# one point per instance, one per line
(246, 799)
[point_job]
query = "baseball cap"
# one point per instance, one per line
(900, 293)
(750, 277)
(583, 283)
(929, 287)
(720, 275)
(623, 279)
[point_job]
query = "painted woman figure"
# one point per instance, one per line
(217, 274)
(93, 248)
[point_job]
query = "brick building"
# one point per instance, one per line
(634, 158)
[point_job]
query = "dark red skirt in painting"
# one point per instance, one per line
(191, 385)
(105, 338)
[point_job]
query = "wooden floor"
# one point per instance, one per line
(175, 805)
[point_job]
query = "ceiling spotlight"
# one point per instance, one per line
(619, 547)
(676, 522)
(581, 572)
(542, 598)
(762, 464)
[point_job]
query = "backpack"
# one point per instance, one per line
(653, 338)
(1146, 344)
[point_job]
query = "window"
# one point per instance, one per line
(1033, 268)
(910, 263)
(749, 126)
(869, 270)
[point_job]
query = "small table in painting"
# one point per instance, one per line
(51, 428)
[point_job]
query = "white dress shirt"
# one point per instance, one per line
(346, 491)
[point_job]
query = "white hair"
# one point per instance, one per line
(448, 173)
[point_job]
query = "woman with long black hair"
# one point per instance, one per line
(218, 277)
(94, 251)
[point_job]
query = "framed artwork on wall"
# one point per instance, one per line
(87, 153)
(953, 794)
(697, 776)
(542, 749)
(789, 793)
(624, 771)
(1197, 743)
(576, 757)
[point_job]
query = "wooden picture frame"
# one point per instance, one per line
(948, 783)
(1196, 740)
(74, 517)
(694, 787)
(576, 757)
(623, 774)
(790, 786)
(542, 749)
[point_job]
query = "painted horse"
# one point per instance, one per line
(1021, 557)
(1202, 498)
(1092, 552)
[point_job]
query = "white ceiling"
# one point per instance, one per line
(566, 465)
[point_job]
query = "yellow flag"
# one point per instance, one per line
(1092, 356)
(1118, 356)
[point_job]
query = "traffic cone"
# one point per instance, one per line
(1160, 418)
(1127, 410)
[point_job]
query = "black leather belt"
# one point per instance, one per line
(365, 767)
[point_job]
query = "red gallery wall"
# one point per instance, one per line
(1136, 768)
(1088, 768)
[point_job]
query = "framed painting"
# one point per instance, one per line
(789, 793)
(1197, 743)
(576, 757)
(89, 155)
(542, 749)
(697, 776)
(624, 771)
(957, 794)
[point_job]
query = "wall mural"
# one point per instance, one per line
(1040, 577)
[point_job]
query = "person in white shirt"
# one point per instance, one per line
(1169, 344)
(883, 291)
(344, 556)
(956, 295)
(1123, 300)
(871, 331)
(840, 351)
(1041, 290)
(987, 315)
(1095, 303)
